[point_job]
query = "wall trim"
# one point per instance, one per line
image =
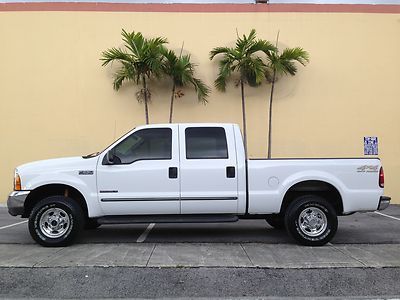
(195, 8)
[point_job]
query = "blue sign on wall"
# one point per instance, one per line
(370, 145)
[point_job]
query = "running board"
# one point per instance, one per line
(167, 219)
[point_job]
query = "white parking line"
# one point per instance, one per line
(144, 235)
(15, 224)
(379, 213)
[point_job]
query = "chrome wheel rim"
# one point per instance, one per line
(312, 221)
(54, 222)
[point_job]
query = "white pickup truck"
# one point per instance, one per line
(191, 173)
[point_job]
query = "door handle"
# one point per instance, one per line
(173, 172)
(230, 172)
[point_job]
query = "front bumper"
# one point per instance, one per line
(384, 202)
(16, 201)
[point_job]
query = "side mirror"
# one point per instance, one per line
(110, 157)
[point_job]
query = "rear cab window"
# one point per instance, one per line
(206, 143)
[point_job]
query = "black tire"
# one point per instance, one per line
(323, 224)
(91, 224)
(277, 221)
(56, 221)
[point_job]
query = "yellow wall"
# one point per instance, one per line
(56, 100)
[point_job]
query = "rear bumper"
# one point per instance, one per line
(16, 202)
(384, 202)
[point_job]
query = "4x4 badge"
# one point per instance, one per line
(367, 169)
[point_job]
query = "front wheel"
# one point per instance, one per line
(56, 221)
(311, 220)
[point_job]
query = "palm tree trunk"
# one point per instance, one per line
(172, 103)
(271, 97)
(244, 119)
(146, 109)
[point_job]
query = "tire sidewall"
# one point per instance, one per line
(293, 226)
(71, 209)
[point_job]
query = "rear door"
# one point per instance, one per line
(208, 169)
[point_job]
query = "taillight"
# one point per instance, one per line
(381, 178)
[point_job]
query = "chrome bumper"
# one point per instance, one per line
(384, 202)
(16, 201)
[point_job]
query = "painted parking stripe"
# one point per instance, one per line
(15, 224)
(144, 235)
(379, 213)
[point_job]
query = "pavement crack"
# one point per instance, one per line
(241, 245)
(347, 253)
(47, 258)
(151, 254)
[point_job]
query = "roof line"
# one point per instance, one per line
(206, 8)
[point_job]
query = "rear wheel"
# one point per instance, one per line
(276, 221)
(56, 221)
(311, 220)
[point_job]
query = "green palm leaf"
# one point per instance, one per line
(140, 58)
(243, 58)
(181, 72)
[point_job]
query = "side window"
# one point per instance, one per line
(206, 143)
(155, 143)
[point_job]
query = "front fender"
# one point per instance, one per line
(86, 186)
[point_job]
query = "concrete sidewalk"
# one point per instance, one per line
(248, 255)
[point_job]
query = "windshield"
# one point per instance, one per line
(94, 154)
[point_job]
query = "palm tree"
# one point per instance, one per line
(280, 64)
(140, 59)
(243, 59)
(181, 71)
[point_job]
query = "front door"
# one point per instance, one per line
(142, 178)
(208, 169)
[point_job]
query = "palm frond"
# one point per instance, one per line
(114, 54)
(298, 54)
(226, 67)
(244, 44)
(134, 42)
(119, 77)
(285, 63)
(220, 50)
(201, 89)
(262, 45)
(253, 70)
(139, 58)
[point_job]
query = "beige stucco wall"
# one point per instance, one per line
(56, 100)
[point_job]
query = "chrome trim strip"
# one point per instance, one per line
(137, 199)
(166, 199)
(207, 198)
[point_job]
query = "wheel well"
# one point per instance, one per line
(314, 187)
(53, 190)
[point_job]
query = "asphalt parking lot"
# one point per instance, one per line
(360, 228)
(243, 259)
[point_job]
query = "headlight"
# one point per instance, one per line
(17, 182)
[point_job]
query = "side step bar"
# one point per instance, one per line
(137, 219)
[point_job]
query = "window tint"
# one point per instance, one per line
(206, 142)
(144, 144)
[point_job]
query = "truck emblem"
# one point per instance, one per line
(85, 172)
(367, 169)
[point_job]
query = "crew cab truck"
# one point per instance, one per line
(191, 173)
